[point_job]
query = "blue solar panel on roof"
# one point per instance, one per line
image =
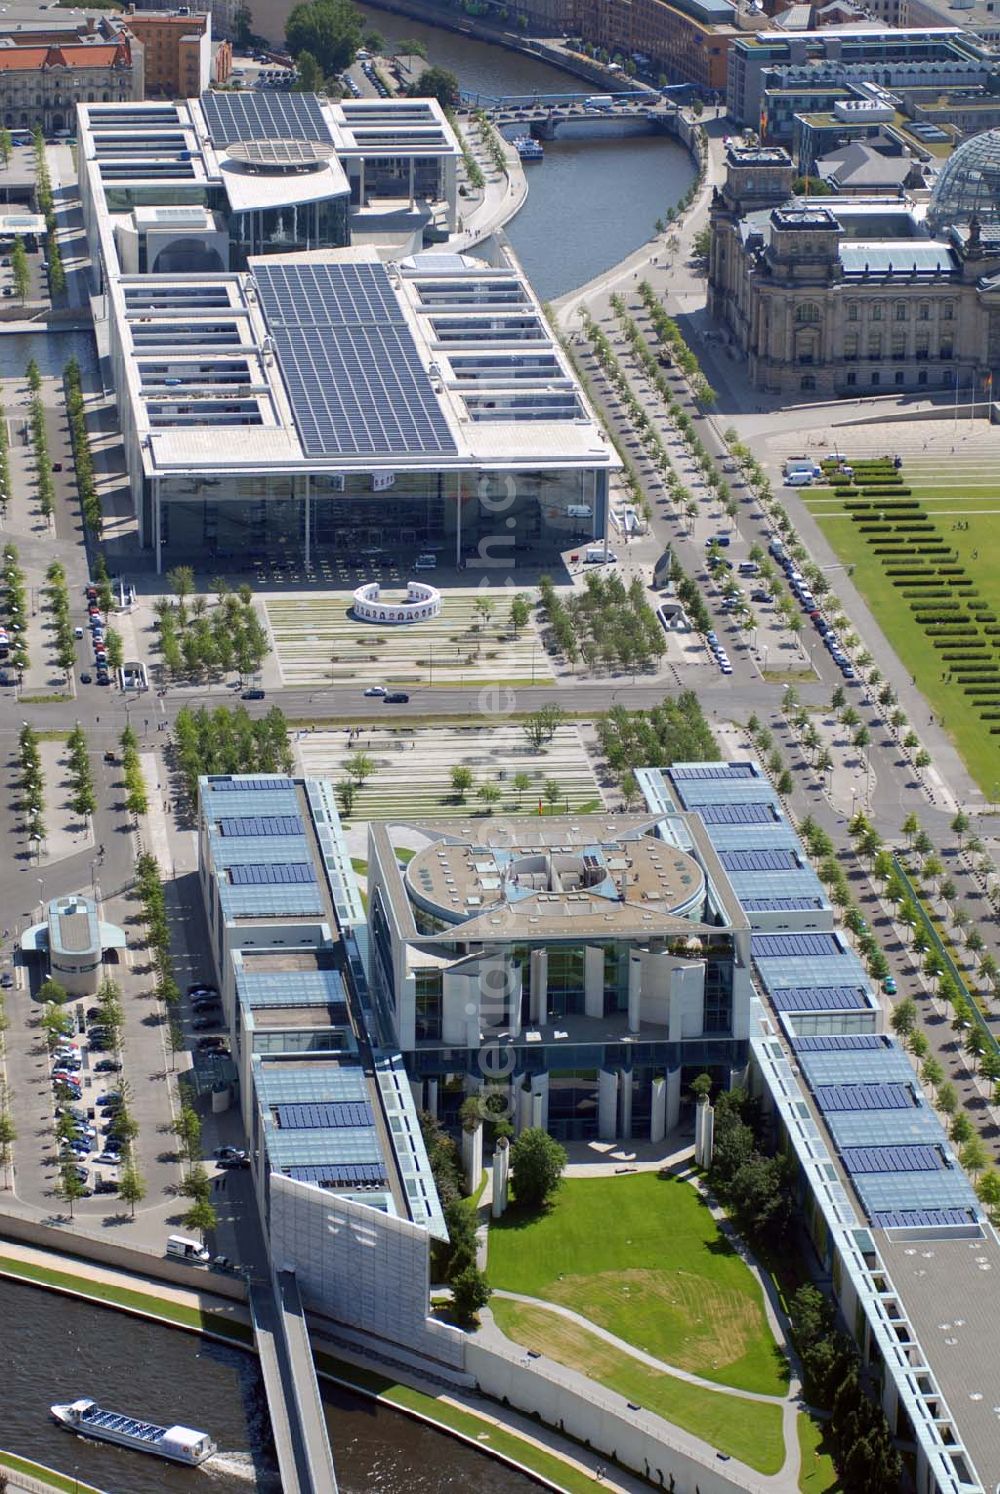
(693, 771)
(340, 1174)
(839, 1097)
(244, 785)
(233, 117)
(777, 860)
(275, 874)
(819, 998)
(349, 362)
(779, 904)
(791, 946)
(840, 1042)
(327, 1116)
(261, 824)
(921, 1218)
(738, 814)
(873, 1159)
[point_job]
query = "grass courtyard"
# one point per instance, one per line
(748, 1430)
(641, 1256)
(925, 564)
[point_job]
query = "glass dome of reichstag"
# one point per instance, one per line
(968, 184)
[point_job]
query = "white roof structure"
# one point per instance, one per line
(435, 361)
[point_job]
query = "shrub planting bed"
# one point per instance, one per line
(942, 587)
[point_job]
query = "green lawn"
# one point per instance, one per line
(817, 1474)
(642, 1257)
(975, 547)
(749, 1430)
(50, 1476)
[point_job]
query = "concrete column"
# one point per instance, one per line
(413, 197)
(658, 1110)
(156, 524)
(673, 1098)
(634, 990)
(607, 1104)
(890, 1401)
(524, 1109)
(417, 1091)
(432, 1096)
(515, 980)
(539, 984)
(625, 1103)
(472, 1157)
(704, 1133)
(540, 1101)
(593, 980)
(501, 1167)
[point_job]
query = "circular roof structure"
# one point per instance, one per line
(968, 185)
(274, 157)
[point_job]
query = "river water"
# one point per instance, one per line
(57, 1349)
(590, 202)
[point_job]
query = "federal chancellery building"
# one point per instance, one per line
(859, 295)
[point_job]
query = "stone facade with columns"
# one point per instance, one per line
(851, 297)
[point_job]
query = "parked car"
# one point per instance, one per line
(223, 1152)
(6, 981)
(396, 697)
(376, 691)
(199, 988)
(252, 695)
(889, 985)
(108, 1158)
(107, 1066)
(233, 1162)
(105, 1185)
(205, 1024)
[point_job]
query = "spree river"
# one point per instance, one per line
(57, 1349)
(590, 202)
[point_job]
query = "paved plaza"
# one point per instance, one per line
(318, 642)
(411, 775)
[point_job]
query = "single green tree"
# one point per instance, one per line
(131, 1187)
(70, 1186)
(201, 1217)
(974, 1156)
(347, 791)
(904, 1018)
(461, 781)
(436, 83)
(470, 1292)
(360, 767)
(961, 1129)
(537, 1162)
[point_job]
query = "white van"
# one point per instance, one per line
(803, 464)
(427, 562)
(188, 1250)
(579, 511)
(599, 555)
(800, 478)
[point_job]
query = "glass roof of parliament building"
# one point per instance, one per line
(969, 184)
